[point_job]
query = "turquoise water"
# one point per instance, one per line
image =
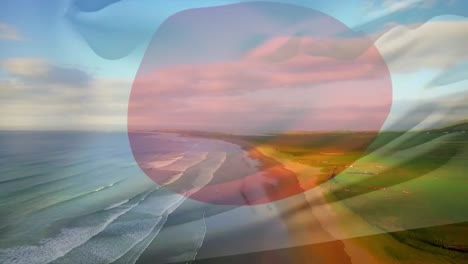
(79, 197)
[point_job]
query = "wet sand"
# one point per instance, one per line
(334, 219)
(305, 228)
(247, 177)
(291, 230)
(298, 228)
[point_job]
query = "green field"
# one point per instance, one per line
(411, 185)
(414, 181)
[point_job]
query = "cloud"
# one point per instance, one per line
(26, 67)
(41, 72)
(103, 106)
(377, 9)
(428, 112)
(285, 83)
(395, 5)
(434, 45)
(274, 64)
(451, 75)
(8, 32)
(38, 94)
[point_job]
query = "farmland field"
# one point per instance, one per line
(409, 185)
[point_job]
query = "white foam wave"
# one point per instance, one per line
(133, 254)
(158, 206)
(173, 179)
(206, 173)
(50, 249)
(116, 204)
(111, 243)
(193, 245)
(125, 232)
(106, 186)
(203, 231)
(186, 162)
(162, 163)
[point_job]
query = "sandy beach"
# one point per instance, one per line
(310, 231)
(322, 214)
(123, 212)
(319, 227)
(315, 232)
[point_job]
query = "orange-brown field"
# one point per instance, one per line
(408, 186)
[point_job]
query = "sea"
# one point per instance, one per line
(80, 197)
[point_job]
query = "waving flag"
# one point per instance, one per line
(229, 131)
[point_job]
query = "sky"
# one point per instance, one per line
(67, 65)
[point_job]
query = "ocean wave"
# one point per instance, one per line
(12, 177)
(46, 206)
(162, 163)
(172, 179)
(158, 203)
(80, 195)
(188, 160)
(179, 164)
(203, 231)
(49, 249)
(125, 232)
(112, 242)
(206, 173)
(116, 204)
(105, 187)
(127, 226)
(32, 188)
(133, 254)
(193, 245)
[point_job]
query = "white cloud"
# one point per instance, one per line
(375, 10)
(434, 45)
(432, 55)
(42, 72)
(8, 32)
(58, 106)
(26, 66)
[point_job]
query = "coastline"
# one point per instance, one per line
(260, 186)
(320, 219)
(338, 251)
(350, 236)
(299, 232)
(316, 232)
(364, 243)
(328, 212)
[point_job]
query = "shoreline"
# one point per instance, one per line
(329, 250)
(370, 247)
(326, 214)
(330, 213)
(337, 244)
(262, 185)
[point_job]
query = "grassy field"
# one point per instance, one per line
(411, 185)
(415, 182)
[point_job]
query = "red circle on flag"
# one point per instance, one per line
(249, 69)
